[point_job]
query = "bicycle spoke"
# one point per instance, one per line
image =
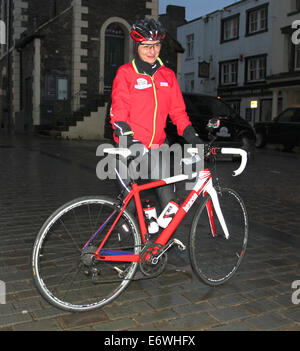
(72, 282)
(214, 258)
(62, 279)
(70, 235)
(72, 286)
(96, 222)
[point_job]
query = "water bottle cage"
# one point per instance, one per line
(172, 215)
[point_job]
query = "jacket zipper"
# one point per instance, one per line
(155, 112)
(155, 98)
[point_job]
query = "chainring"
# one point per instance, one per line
(150, 251)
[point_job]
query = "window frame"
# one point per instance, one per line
(226, 20)
(258, 9)
(53, 94)
(295, 7)
(229, 64)
(190, 39)
(257, 68)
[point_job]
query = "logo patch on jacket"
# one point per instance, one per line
(142, 84)
(164, 84)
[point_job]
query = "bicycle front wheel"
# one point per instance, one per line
(215, 258)
(67, 275)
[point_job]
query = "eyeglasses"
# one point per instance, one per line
(148, 47)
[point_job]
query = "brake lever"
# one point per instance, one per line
(209, 146)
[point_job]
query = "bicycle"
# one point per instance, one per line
(94, 240)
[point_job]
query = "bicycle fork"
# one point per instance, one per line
(214, 202)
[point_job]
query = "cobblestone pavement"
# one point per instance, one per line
(38, 175)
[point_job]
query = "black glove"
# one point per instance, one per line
(122, 128)
(125, 135)
(191, 136)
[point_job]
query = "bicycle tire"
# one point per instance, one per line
(215, 259)
(58, 249)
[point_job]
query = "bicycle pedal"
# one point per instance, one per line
(180, 245)
(119, 271)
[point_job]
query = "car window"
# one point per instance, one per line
(296, 117)
(286, 116)
(221, 109)
(200, 105)
(209, 106)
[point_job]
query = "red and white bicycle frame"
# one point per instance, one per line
(203, 185)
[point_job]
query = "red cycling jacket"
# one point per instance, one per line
(144, 103)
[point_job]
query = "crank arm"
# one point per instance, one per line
(180, 245)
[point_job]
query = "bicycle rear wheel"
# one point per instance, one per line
(214, 258)
(67, 275)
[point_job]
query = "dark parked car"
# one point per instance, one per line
(284, 129)
(234, 131)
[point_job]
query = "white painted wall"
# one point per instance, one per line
(208, 47)
(281, 19)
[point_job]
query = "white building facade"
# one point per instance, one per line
(236, 53)
(284, 81)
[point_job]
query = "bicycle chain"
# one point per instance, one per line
(149, 251)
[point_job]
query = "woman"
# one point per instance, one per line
(144, 93)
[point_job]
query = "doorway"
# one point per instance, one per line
(114, 53)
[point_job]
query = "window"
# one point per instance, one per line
(190, 46)
(296, 117)
(256, 68)
(235, 105)
(286, 116)
(56, 88)
(210, 106)
(50, 87)
(297, 57)
(228, 72)
(62, 89)
(294, 7)
(230, 28)
(257, 20)
(114, 53)
(290, 115)
(248, 114)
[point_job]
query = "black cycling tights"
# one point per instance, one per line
(149, 167)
